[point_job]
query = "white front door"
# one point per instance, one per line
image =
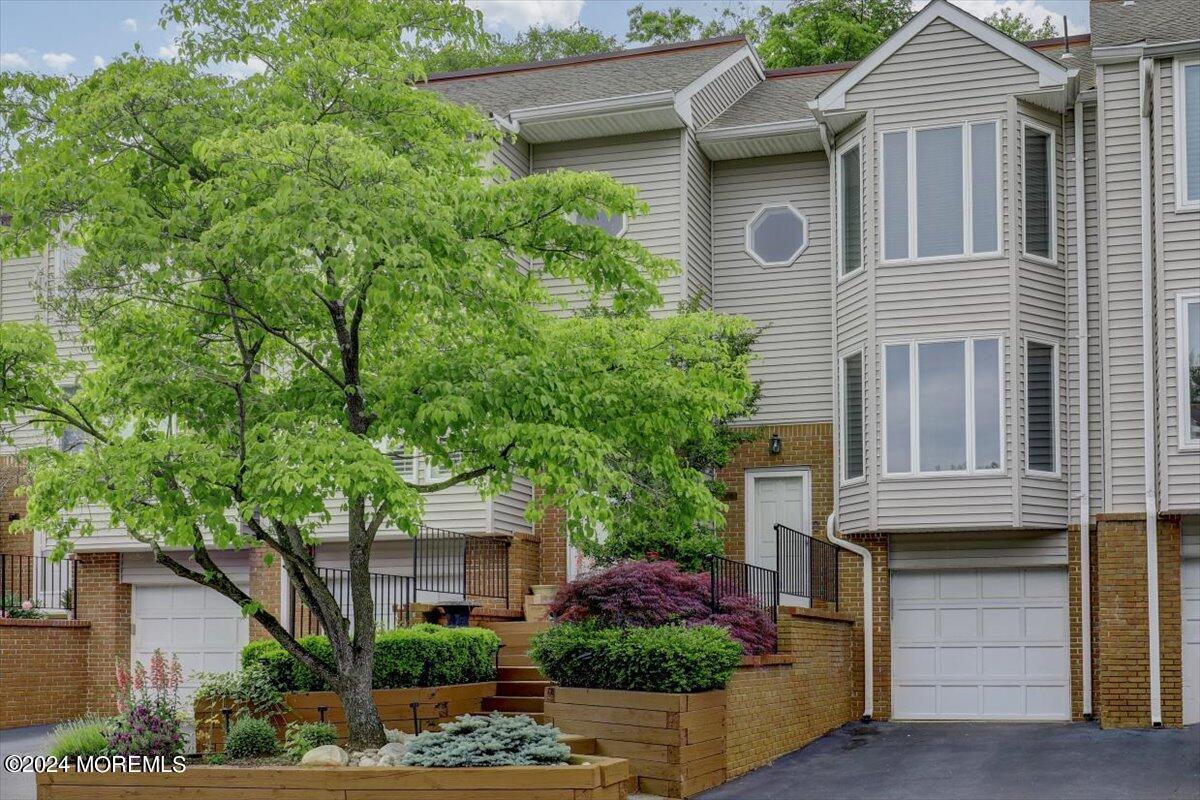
(1191, 639)
(774, 498)
(980, 644)
(206, 630)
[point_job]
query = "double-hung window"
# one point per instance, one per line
(852, 417)
(943, 407)
(850, 209)
(1041, 407)
(1037, 149)
(1187, 354)
(941, 191)
(1186, 78)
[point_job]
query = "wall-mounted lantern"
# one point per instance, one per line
(775, 446)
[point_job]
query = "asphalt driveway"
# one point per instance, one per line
(31, 741)
(980, 761)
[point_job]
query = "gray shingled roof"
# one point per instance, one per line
(587, 80)
(1150, 21)
(781, 98)
(1081, 59)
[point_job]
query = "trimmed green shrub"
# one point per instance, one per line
(670, 658)
(252, 690)
(492, 741)
(80, 737)
(423, 655)
(304, 736)
(251, 737)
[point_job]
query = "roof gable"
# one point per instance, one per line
(1050, 72)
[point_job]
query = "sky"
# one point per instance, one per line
(77, 36)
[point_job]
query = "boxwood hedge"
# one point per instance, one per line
(423, 655)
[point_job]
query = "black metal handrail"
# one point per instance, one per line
(808, 567)
(729, 578)
(462, 564)
(393, 596)
(46, 585)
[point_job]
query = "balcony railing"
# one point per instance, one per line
(808, 567)
(467, 565)
(729, 578)
(393, 596)
(47, 586)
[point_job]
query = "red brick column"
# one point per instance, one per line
(264, 587)
(105, 602)
(850, 601)
(1122, 689)
(12, 473)
(552, 547)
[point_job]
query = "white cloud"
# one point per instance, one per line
(1035, 11)
(521, 14)
(168, 50)
(97, 62)
(253, 66)
(13, 61)
(129, 24)
(59, 62)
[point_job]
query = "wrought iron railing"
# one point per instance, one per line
(393, 596)
(44, 585)
(729, 578)
(467, 565)
(807, 567)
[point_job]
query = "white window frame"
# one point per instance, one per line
(843, 441)
(1182, 203)
(1182, 379)
(754, 218)
(842, 275)
(914, 407)
(579, 219)
(1056, 367)
(1053, 183)
(968, 223)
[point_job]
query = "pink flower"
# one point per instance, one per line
(176, 673)
(27, 605)
(139, 676)
(158, 670)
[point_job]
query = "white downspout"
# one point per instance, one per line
(1149, 456)
(868, 616)
(1085, 489)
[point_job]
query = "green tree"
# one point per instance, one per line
(827, 31)
(1021, 27)
(534, 44)
(282, 273)
(676, 25)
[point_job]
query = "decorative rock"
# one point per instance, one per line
(327, 755)
(394, 750)
(388, 761)
(367, 761)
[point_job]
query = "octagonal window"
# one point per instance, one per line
(612, 224)
(776, 235)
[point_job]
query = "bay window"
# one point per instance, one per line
(941, 192)
(1038, 182)
(1187, 133)
(1187, 355)
(943, 407)
(850, 210)
(1041, 407)
(852, 417)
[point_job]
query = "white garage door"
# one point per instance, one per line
(980, 644)
(204, 629)
(1191, 640)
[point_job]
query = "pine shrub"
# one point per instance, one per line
(670, 658)
(495, 740)
(251, 737)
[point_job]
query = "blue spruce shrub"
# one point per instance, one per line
(495, 740)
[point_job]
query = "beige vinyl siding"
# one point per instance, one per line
(723, 91)
(1041, 313)
(649, 162)
(789, 304)
(973, 550)
(697, 223)
(942, 74)
(20, 279)
(508, 508)
(930, 503)
(513, 154)
(1095, 423)
(1177, 255)
(1120, 198)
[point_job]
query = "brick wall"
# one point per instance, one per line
(43, 671)
(804, 445)
(104, 602)
(1122, 689)
(851, 602)
(552, 547)
(775, 708)
(264, 587)
(11, 475)
(524, 568)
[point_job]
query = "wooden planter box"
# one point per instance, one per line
(438, 704)
(675, 743)
(585, 778)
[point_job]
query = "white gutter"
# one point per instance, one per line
(1148, 442)
(1085, 511)
(868, 616)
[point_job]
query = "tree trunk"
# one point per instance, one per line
(362, 717)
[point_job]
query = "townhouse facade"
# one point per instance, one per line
(975, 266)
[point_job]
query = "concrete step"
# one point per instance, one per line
(516, 629)
(524, 705)
(508, 659)
(520, 674)
(521, 688)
